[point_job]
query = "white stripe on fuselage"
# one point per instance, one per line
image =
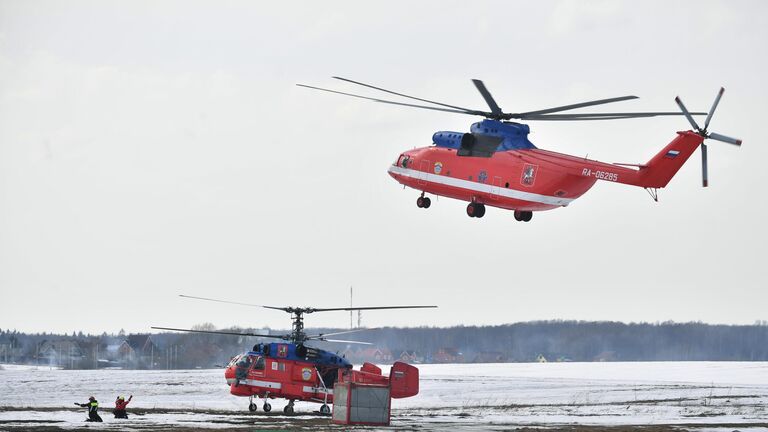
(257, 383)
(480, 187)
(277, 386)
(308, 389)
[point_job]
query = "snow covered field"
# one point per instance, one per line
(688, 395)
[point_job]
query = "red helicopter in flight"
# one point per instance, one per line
(495, 164)
(292, 370)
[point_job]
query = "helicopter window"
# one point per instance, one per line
(475, 145)
(244, 362)
(259, 363)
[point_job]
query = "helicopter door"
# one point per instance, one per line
(495, 188)
(423, 170)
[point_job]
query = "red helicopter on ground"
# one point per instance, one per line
(294, 371)
(496, 165)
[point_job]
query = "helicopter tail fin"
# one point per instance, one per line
(403, 380)
(661, 168)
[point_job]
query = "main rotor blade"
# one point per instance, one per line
(574, 106)
(229, 302)
(723, 138)
(403, 95)
(627, 114)
(341, 332)
(222, 332)
(704, 177)
(604, 116)
(687, 114)
(367, 308)
(577, 118)
(462, 111)
(495, 110)
(346, 341)
(714, 106)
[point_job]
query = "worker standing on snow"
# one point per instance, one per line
(93, 409)
(120, 404)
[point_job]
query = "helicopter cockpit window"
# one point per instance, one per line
(244, 362)
(403, 161)
(233, 360)
(259, 363)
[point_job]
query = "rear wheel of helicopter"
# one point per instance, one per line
(426, 202)
(471, 210)
(252, 407)
(527, 216)
(420, 202)
(325, 409)
(267, 407)
(288, 409)
(480, 210)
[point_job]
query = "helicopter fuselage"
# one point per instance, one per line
(508, 172)
(285, 370)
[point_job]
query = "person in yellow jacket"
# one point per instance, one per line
(93, 409)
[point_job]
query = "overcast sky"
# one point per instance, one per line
(150, 149)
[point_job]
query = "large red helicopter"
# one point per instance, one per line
(294, 371)
(496, 165)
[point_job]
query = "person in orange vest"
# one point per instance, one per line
(93, 409)
(120, 404)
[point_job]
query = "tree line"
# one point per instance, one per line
(519, 342)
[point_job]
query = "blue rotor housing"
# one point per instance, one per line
(509, 135)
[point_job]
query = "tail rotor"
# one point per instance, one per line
(704, 133)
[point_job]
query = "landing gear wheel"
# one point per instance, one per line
(420, 202)
(252, 407)
(325, 409)
(476, 210)
(426, 202)
(480, 211)
(267, 407)
(288, 409)
(471, 210)
(527, 216)
(523, 216)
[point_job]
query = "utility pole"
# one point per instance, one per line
(351, 325)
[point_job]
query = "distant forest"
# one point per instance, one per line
(521, 342)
